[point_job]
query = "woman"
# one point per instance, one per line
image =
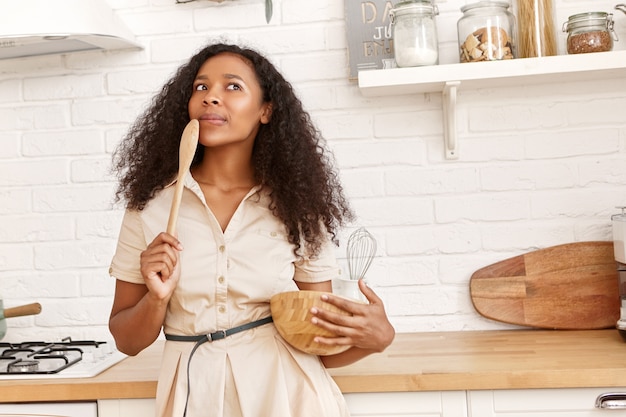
(259, 215)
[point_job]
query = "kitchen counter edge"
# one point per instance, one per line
(436, 361)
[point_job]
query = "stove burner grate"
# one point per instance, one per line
(42, 357)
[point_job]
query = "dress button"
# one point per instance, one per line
(220, 280)
(273, 234)
(222, 248)
(221, 309)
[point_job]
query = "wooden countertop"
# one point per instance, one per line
(442, 361)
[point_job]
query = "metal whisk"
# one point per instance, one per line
(360, 252)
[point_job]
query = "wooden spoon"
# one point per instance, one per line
(188, 145)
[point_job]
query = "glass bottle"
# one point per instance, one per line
(619, 251)
(415, 33)
(486, 32)
(589, 32)
(537, 29)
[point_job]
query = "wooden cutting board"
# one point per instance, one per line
(570, 286)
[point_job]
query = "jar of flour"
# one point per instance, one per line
(415, 33)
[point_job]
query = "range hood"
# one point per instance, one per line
(42, 27)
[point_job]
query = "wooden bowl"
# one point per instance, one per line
(292, 316)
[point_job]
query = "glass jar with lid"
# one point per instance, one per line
(486, 32)
(415, 33)
(589, 32)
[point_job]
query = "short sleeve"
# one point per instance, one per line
(323, 267)
(125, 265)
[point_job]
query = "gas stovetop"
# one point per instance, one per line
(64, 359)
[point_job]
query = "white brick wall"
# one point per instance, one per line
(539, 165)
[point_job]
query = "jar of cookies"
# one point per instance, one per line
(589, 32)
(415, 33)
(486, 32)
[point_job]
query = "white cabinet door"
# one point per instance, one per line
(405, 404)
(78, 409)
(408, 404)
(126, 408)
(570, 402)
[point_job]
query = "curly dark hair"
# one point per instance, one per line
(289, 155)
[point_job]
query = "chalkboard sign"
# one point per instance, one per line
(368, 29)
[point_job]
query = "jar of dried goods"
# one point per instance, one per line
(537, 28)
(589, 32)
(486, 32)
(415, 33)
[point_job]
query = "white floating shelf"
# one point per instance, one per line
(474, 75)
(446, 79)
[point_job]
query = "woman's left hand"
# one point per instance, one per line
(367, 328)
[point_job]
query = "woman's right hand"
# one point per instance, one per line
(160, 266)
(139, 310)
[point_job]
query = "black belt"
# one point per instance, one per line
(211, 337)
(220, 334)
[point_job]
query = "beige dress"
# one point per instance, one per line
(227, 279)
